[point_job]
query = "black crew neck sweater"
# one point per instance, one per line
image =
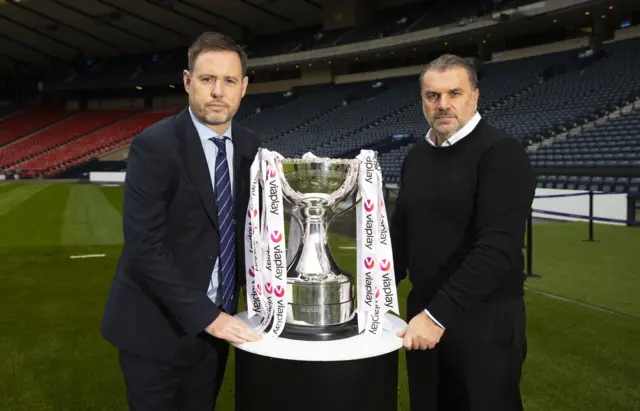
(459, 223)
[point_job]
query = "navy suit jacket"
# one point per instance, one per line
(171, 238)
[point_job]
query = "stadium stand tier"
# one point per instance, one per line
(70, 128)
(30, 120)
(94, 144)
(166, 66)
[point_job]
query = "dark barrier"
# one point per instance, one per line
(633, 205)
(590, 218)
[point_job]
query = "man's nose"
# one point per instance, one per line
(443, 102)
(217, 89)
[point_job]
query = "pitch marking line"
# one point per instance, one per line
(88, 256)
(594, 307)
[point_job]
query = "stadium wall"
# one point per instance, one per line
(573, 205)
(626, 33)
(118, 155)
(309, 77)
(558, 46)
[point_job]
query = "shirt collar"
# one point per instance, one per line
(205, 132)
(463, 132)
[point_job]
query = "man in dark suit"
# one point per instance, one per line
(171, 305)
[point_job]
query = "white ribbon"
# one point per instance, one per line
(256, 304)
(265, 241)
(377, 292)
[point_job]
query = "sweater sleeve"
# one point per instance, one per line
(505, 192)
(398, 232)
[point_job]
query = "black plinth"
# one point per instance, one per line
(267, 383)
(321, 333)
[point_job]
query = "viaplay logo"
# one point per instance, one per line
(385, 265)
(251, 272)
(279, 291)
(369, 263)
(259, 289)
(276, 236)
(271, 173)
(250, 212)
(368, 206)
(268, 287)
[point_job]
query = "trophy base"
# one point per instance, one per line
(321, 332)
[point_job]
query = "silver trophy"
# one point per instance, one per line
(322, 301)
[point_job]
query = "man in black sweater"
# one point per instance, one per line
(458, 228)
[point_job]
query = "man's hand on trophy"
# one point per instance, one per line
(229, 328)
(421, 333)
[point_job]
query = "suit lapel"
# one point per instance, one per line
(196, 164)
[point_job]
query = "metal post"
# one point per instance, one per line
(590, 240)
(530, 248)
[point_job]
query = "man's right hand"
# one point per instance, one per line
(229, 328)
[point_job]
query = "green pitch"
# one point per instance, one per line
(583, 348)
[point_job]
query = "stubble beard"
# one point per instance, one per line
(216, 120)
(212, 119)
(442, 136)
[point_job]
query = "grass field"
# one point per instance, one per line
(583, 313)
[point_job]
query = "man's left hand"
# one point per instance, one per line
(421, 333)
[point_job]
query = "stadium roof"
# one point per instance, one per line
(35, 32)
(40, 35)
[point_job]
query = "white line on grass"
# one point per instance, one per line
(594, 307)
(348, 247)
(88, 256)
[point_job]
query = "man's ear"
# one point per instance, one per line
(245, 83)
(186, 79)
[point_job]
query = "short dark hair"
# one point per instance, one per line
(448, 61)
(213, 41)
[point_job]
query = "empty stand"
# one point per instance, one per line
(608, 184)
(533, 99)
(30, 120)
(62, 132)
(385, 23)
(615, 143)
(567, 98)
(91, 145)
(7, 109)
(391, 109)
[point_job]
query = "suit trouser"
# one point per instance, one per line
(477, 364)
(190, 381)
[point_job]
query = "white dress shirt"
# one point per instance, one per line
(210, 153)
(462, 133)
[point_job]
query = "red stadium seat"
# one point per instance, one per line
(98, 143)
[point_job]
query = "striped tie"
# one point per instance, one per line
(227, 262)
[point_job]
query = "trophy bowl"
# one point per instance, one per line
(321, 302)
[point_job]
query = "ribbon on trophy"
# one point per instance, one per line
(266, 258)
(377, 293)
